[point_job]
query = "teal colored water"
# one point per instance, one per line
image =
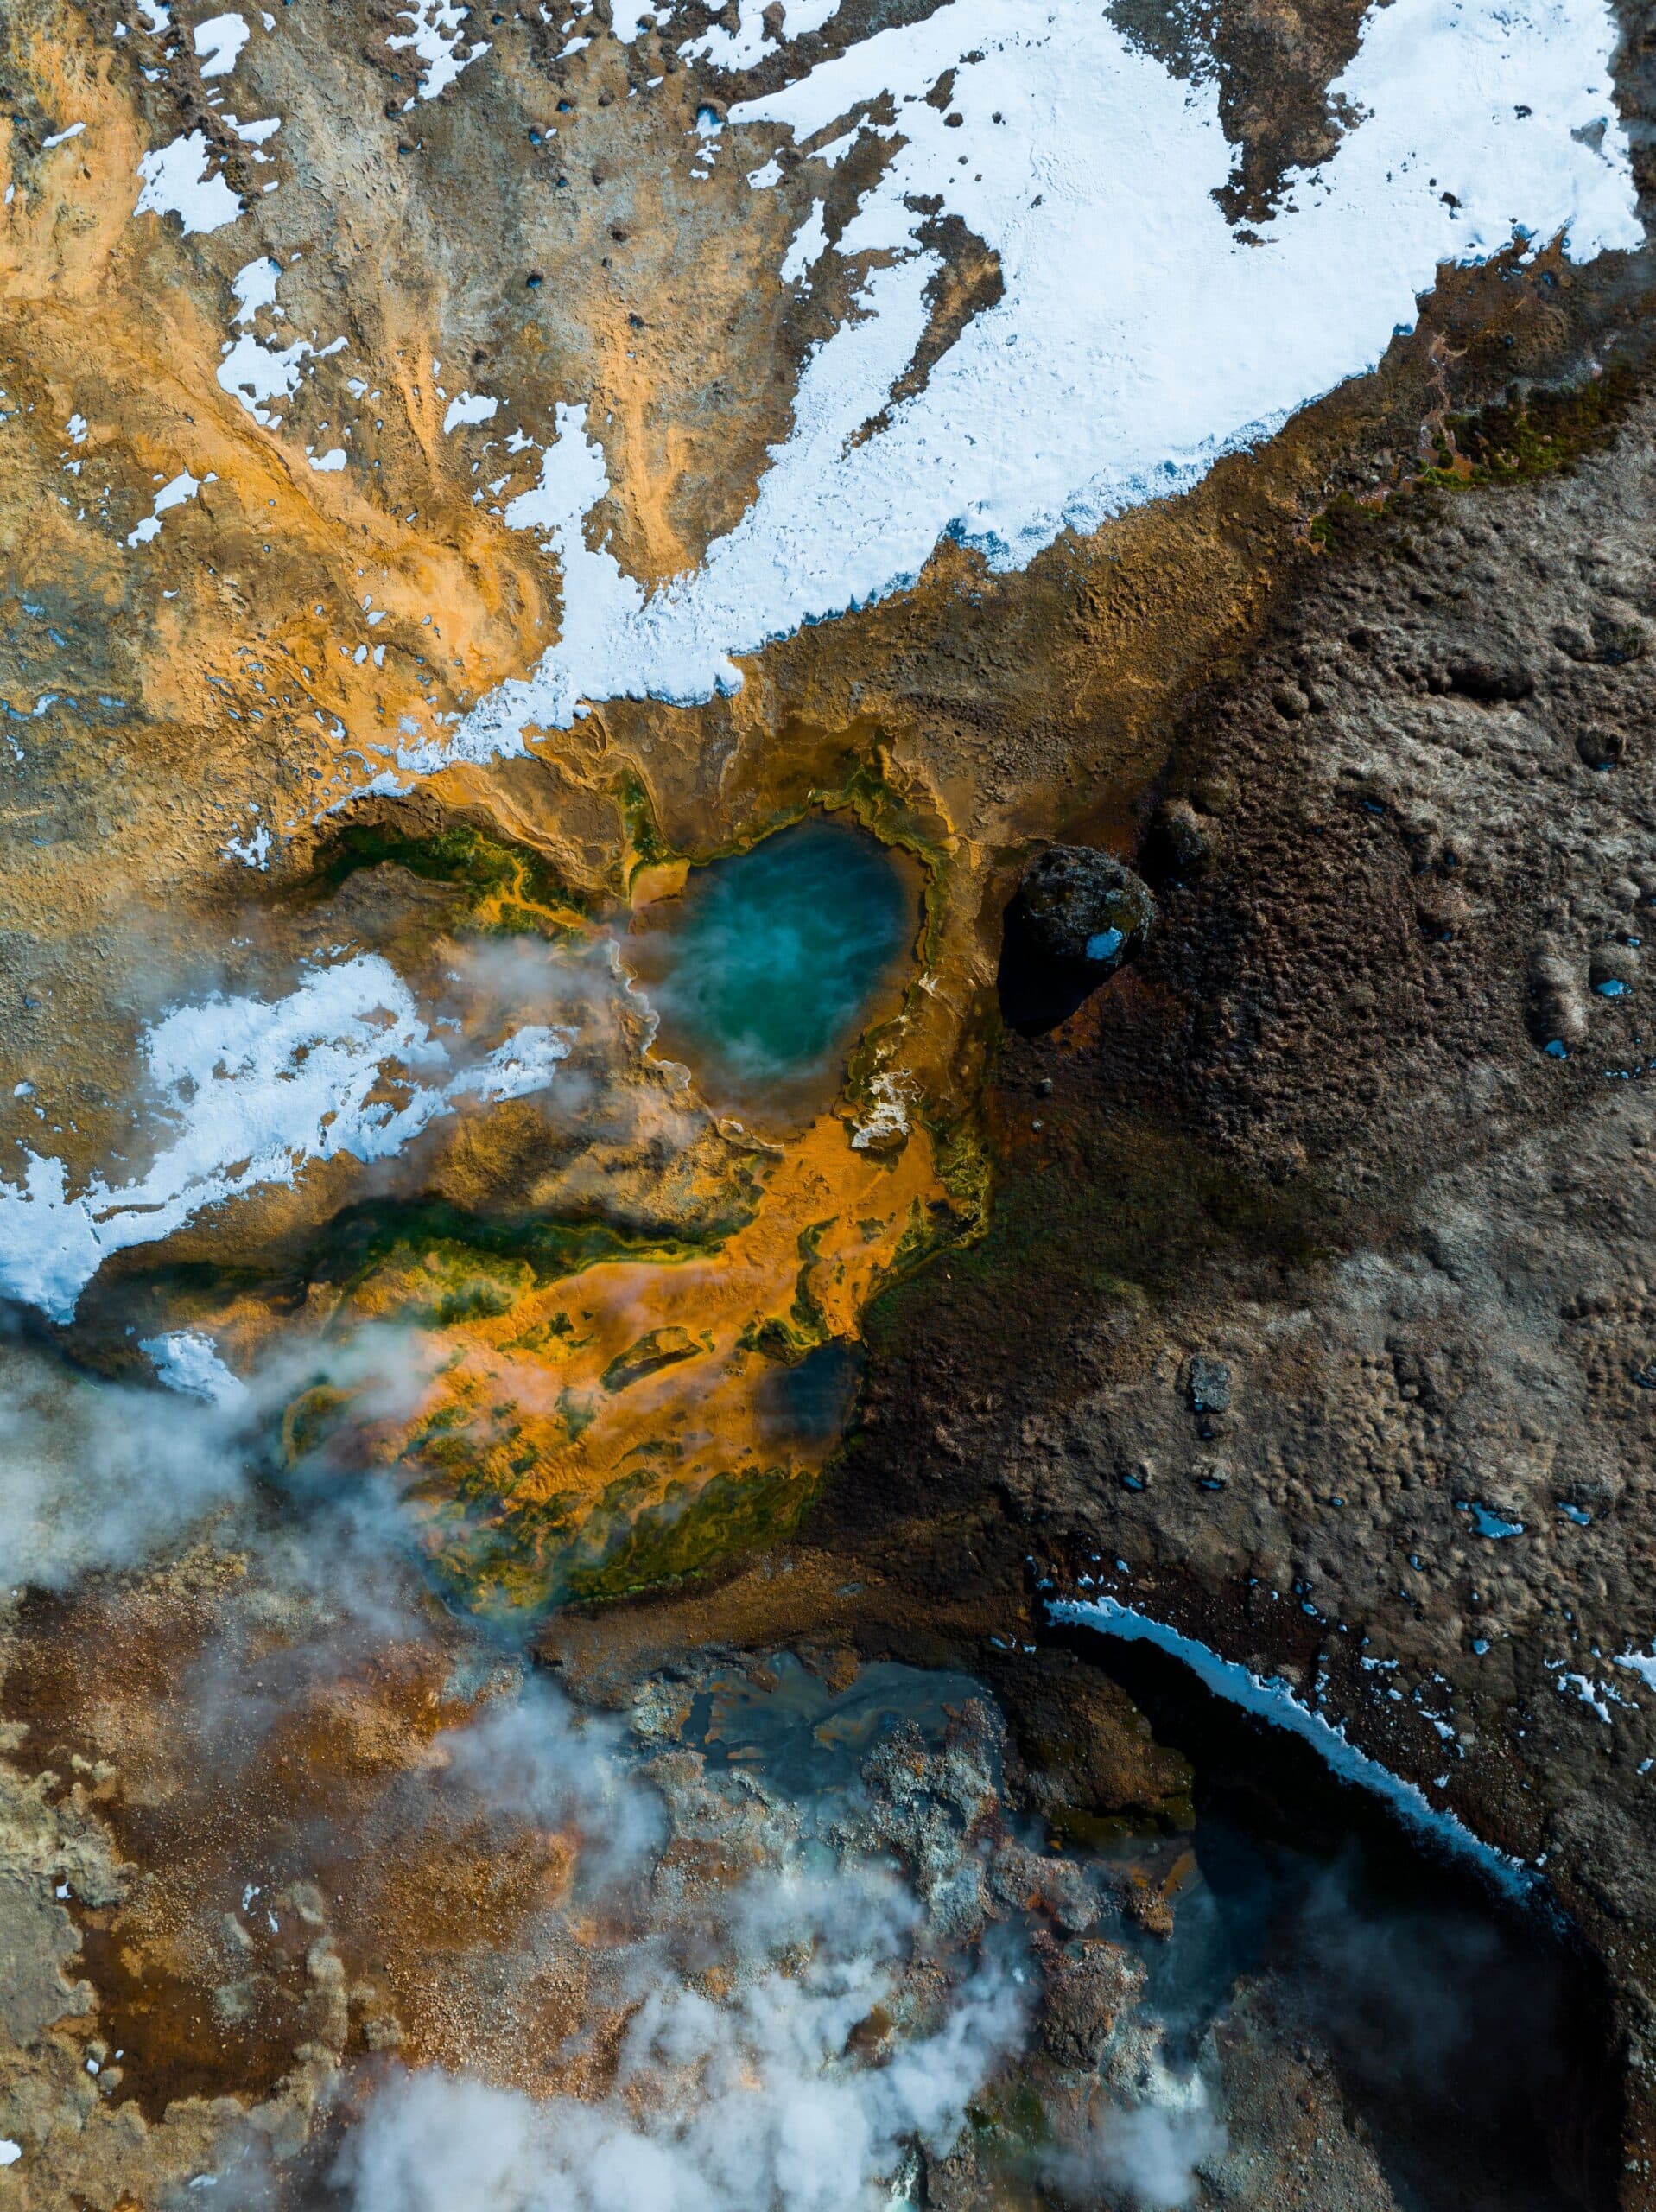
(808, 1740)
(767, 967)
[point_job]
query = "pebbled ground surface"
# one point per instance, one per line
(1334, 1325)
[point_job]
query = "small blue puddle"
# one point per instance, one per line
(1487, 1523)
(768, 966)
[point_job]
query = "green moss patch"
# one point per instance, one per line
(517, 1561)
(480, 867)
(479, 1248)
(659, 1349)
(1530, 434)
(1520, 439)
(688, 1531)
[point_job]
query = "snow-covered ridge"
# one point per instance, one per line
(254, 1089)
(1272, 1699)
(1139, 337)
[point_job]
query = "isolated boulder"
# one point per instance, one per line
(1083, 908)
(1078, 916)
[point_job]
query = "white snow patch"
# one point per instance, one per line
(255, 133)
(435, 39)
(177, 182)
(9, 2151)
(255, 374)
(1274, 1701)
(252, 1090)
(598, 598)
(183, 486)
(1138, 337)
(732, 50)
(807, 246)
(62, 137)
(329, 463)
(524, 1064)
(188, 1362)
(255, 287)
(1642, 1663)
(1598, 1695)
(254, 851)
(836, 148)
(470, 407)
(218, 42)
(801, 17)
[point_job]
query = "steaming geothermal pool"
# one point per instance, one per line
(770, 964)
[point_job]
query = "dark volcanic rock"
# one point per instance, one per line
(1558, 1017)
(1208, 1383)
(1078, 916)
(1599, 747)
(1081, 906)
(1490, 683)
(1373, 1124)
(1086, 1989)
(1180, 843)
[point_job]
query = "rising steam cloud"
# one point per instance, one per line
(794, 2041)
(748, 2105)
(1146, 2155)
(98, 1475)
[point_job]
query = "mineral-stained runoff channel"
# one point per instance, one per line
(577, 1397)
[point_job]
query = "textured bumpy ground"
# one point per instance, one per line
(460, 472)
(1348, 1363)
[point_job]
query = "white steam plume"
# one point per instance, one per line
(748, 2105)
(1147, 2154)
(95, 1475)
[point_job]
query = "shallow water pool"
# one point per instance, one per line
(769, 965)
